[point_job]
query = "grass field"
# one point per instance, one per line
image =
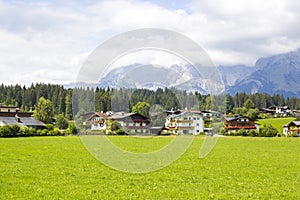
(237, 168)
(276, 122)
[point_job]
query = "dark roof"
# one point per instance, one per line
(235, 118)
(24, 121)
(122, 116)
(30, 121)
(296, 123)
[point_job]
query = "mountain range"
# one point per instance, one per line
(277, 74)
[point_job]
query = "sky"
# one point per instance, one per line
(48, 41)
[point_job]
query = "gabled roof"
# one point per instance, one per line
(125, 116)
(96, 114)
(295, 123)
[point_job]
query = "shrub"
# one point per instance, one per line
(61, 122)
(4, 131)
(39, 133)
(73, 129)
(120, 132)
(49, 127)
(253, 133)
(24, 131)
(44, 132)
(55, 132)
(14, 130)
(67, 132)
(268, 131)
(243, 132)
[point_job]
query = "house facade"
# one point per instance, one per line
(184, 122)
(292, 128)
(132, 123)
(233, 124)
(96, 120)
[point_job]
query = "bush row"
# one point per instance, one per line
(24, 131)
(267, 131)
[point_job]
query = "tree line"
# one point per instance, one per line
(26, 98)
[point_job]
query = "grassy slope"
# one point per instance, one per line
(237, 168)
(276, 122)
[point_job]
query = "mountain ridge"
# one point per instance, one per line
(276, 74)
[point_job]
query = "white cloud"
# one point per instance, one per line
(48, 41)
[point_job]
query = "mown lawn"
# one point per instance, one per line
(237, 168)
(276, 122)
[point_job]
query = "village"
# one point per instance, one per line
(177, 122)
(173, 122)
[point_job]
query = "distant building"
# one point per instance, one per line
(10, 115)
(233, 124)
(276, 111)
(267, 111)
(184, 122)
(281, 110)
(292, 128)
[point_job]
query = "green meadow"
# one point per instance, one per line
(237, 168)
(276, 122)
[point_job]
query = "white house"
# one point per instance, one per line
(185, 122)
(96, 120)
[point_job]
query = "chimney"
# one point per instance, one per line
(17, 118)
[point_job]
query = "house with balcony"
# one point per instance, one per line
(132, 123)
(96, 120)
(233, 124)
(184, 122)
